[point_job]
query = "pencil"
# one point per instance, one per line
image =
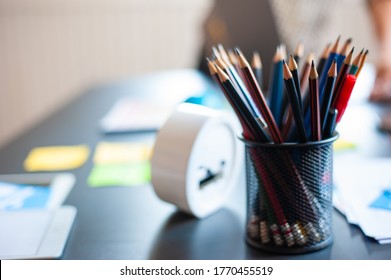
(305, 74)
(288, 117)
(356, 63)
(341, 77)
(331, 123)
(288, 126)
(333, 54)
(276, 88)
(256, 66)
(223, 54)
(233, 60)
(342, 53)
(248, 131)
(282, 48)
(314, 104)
(323, 58)
(305, 94)
(362, 62)
(344, 96)
(254, 129)
(258, 98)
(293, 99)
(328, 94)
(298, 52)
(237, 82)
(294, 70)
(225, 63)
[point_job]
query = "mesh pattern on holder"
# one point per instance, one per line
(289, 196)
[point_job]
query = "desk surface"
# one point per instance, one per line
(131, 222)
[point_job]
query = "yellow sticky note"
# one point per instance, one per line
(111, 152)
(55, 158)
(342, 145)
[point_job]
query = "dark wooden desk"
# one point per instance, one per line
(132, 223)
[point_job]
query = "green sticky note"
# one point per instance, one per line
(130, 174)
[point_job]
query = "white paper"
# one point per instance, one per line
(359, 181)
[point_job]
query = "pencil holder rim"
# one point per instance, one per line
(289, 145)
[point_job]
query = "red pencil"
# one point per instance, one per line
(344, 96)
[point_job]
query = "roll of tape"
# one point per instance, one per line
(197, 159)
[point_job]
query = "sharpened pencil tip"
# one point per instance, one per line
(256, 61)
(299, 51)
(348, 59)
(222, 76)
(232, 57)
(333, 69)
(243, 63)
(286, 72)
(334, 49)
(313, 72)
(310, 57)
(292, 63)
(215, 52)
(211, 66)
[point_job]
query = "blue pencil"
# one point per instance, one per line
(276, 88)
(342, 54)
(333, 54)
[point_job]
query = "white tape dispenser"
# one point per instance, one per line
(197, 159)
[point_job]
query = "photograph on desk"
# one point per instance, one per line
(35, 223)
(196, 130)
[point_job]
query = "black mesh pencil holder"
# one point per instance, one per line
(289, 196)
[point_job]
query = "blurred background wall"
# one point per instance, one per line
(52, 50)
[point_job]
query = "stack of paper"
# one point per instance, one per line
(362, 194)
(131, 115)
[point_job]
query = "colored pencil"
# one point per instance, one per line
(314, 104)
(293, 99)
(323, 58)
(256, 66)
(298, 52)
(276, 88)
(362, 62)
(256, 132)
(328, 94)
(258, 97)
(356, 63)
(333, 54)
(342, 53)
(341, 77)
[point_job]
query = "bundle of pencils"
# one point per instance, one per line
(317, 98)
(306, 111)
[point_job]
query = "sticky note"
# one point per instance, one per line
(129, 174)
(112, 152)
(55, 158)
(342, 145)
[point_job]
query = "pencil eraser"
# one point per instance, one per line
(197, 159)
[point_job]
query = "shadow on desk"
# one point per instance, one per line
(185, 237)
